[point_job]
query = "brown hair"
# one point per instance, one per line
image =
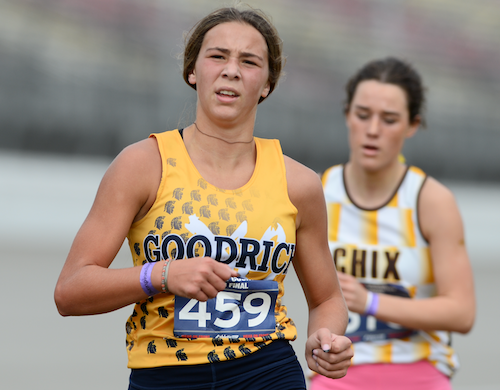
(252, 17)
(392, 70)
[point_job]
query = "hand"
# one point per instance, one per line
(328, 354)
(355, 294)
(198, 278)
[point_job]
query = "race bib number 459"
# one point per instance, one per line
(244, 309)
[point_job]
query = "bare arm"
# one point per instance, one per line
(453, 308)
(86, 285)
(316, 272)
(127, 190)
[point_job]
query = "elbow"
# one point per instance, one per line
(469, 319)
(465, 321)
(61, 302)
(466, 325)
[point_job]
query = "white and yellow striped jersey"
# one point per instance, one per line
(385, 250)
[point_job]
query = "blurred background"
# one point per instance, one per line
(80, 80)
(90, 77)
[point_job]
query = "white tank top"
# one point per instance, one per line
(385, 250)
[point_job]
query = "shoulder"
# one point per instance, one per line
(141, 151)
(332, 173)
(435, 194)
(304, 190)
(302, 181)
(134, 175)
(138, 157)
(437, 208)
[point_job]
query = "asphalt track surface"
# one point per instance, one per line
(44, 200)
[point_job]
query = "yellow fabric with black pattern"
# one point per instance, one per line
(187, 205)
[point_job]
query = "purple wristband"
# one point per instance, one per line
(372, 309)
(145, 278)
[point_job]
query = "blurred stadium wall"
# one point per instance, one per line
(89, 77)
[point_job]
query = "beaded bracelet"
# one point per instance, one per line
(164, 275)
(372, 301)
(145, 278)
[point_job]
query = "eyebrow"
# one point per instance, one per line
(242, 54)
(385, 112)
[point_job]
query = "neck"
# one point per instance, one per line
(222, 139)
(227, 164)
(371, 189)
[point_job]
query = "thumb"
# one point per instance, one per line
(325, 338)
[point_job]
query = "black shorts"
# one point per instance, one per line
(273, 367)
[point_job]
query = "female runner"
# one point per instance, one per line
(213, 217)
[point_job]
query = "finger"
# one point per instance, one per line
(323, 340)
(330, 361)
(340, 344)
(224, 271)
(215, 281)
(320, 363)
(208, 291)
(201, 296)
(335, 373)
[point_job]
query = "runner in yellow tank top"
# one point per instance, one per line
(396, 237)
(214, 219)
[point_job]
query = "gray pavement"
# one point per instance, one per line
(44, 200)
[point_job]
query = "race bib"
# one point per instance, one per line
(368, 328)
(244, 309)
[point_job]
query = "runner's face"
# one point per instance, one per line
(231, 72)
(378, 122)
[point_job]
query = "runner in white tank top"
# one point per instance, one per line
(397, 240)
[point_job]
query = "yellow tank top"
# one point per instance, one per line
(252, 229)
(385, 250)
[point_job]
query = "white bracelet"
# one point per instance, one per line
(164, 275)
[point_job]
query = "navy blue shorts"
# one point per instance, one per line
(273, 367)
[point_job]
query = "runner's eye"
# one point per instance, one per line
(390, 120)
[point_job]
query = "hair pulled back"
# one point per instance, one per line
(392, 70)
(255, 18)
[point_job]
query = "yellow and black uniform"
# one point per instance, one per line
(385, 250)
(252, 229)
